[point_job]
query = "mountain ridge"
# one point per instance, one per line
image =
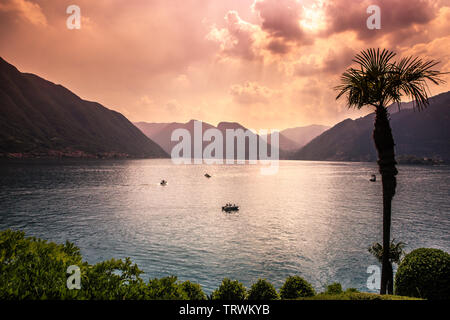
(39, 118)
(423, 134)
(160, 133)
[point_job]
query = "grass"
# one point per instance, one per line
(357, 296)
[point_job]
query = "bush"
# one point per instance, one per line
(193, 291)
(32, 268)
(334, 288)
(229, 290)
(296, 287)
(165, 288)
(424, 273)
(262, 290)
(111, 280)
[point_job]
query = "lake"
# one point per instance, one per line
(314, 219)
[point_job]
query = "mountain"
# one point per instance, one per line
(161, 133)
(41, 119)
(287, 144)
(295, 138)
(423, 134)
(150, 129)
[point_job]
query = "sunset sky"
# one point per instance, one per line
(268, 64)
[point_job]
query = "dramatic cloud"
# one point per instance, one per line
(26, 10)
(281, 20)
(264, 63)
(278, 47)
(337, 61)
(237, 38)
(396, 16)
(251, 92)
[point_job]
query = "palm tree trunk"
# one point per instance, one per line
(384, 143)
(390, 286)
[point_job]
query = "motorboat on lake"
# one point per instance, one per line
(230, 207)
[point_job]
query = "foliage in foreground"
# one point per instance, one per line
(31, 268)
(230, 290)
(296, 287)
(347, 295)
(334, 291)
(396, 251)
(262, 290)
(424, 273)
(334, 288)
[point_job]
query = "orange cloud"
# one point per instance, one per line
(397, 16)
(251, 92)
(281, 18)
(26, 10)
(264, 63)
(237, 38)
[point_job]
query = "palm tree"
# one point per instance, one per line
(377, 82)
(395, 255)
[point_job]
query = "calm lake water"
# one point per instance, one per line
(314, 219)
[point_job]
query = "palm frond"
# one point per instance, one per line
(379, 81)
(396, 251)
(409, 77)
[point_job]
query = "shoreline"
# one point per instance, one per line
(31, 157)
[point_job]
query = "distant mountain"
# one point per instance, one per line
(287, 144)
(41, 119)
(424, 134)
(150, 129)
(161, 133)
(295, 138)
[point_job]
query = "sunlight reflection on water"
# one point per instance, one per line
(315, 219)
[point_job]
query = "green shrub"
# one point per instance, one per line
(165, 288)
(424, 273)
(351, 290)
(229, 290)
(32, 268)
(396, 251)
(111, 280)
(193, 291)
(334, 288)
(296, 287)
(262, 290)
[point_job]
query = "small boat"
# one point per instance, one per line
(230, 207)
(207, 175)
(374, 178)
(163, 182)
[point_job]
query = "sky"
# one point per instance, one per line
(267, 64)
